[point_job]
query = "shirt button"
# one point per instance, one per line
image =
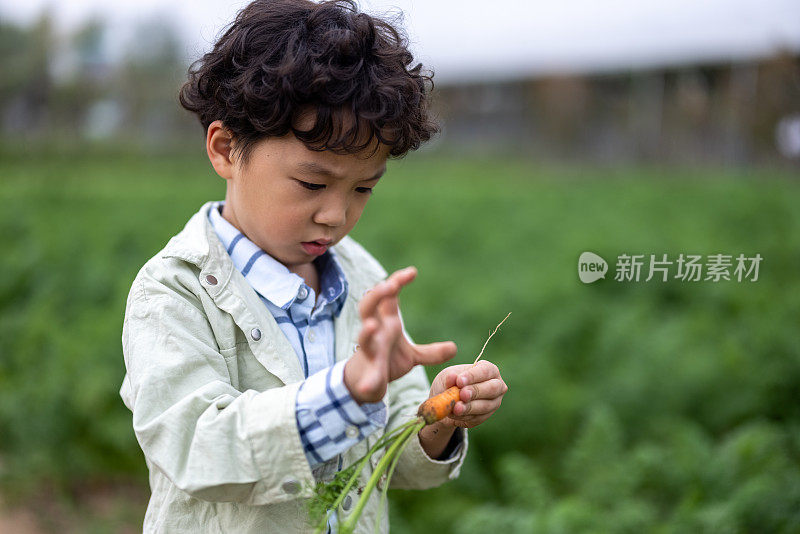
(302, 292)
(291, 486)
(351, 431)
(255, 333)
(211, 279)
(347, 503)
(311, 336)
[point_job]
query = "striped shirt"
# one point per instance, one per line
(328, 419)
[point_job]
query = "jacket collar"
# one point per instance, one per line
(193, 244)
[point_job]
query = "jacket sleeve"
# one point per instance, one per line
(415, 469)
(211, 440)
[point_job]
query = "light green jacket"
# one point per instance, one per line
(214, 408)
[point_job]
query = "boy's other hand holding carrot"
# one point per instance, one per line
(482, 390)
(385, 354)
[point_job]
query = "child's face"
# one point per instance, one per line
(288, 197)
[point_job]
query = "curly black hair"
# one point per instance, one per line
(280, 59)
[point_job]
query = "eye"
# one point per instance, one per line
(311, 186)
(365, 190)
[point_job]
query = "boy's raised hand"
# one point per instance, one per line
(384, 353)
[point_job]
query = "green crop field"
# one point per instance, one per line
(664, 407)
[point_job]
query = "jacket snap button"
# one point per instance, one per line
(211, 279)
(351, 431)
(255, 333)
(291, 486)
(347, 503)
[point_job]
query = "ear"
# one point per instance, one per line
(219, 144)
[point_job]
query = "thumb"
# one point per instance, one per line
(434, 353)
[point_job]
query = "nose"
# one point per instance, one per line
(333, 212)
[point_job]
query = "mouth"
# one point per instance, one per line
(316, 248)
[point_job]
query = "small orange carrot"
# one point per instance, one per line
(439, 406)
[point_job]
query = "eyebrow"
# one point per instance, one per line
(315, 168)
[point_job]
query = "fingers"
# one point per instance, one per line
(489, 389)
(391, 329)
(480, 372)
(369, 347)
(468, 421)
(388, 313)
(389, 288)
(404, 276)
(380, 331)
(448, 376)
(475, 408)
(472, 414)
(368, 306)
(379, 310)
(365, 337)
(368, 329)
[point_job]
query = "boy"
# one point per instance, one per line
(264, 348)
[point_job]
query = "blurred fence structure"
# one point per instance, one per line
(728, 113)
(56, 86)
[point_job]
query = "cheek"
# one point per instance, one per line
(278, 218)
(352, 218)
(281, 206)
(357, 208)
(288, 217)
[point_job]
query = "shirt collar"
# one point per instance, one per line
(269, 277)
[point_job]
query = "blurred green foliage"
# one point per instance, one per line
(633, 407)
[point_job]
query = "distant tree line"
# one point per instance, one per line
(57, 87)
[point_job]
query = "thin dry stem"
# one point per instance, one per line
(490, 337)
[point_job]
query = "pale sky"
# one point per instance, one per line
(475, 39)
